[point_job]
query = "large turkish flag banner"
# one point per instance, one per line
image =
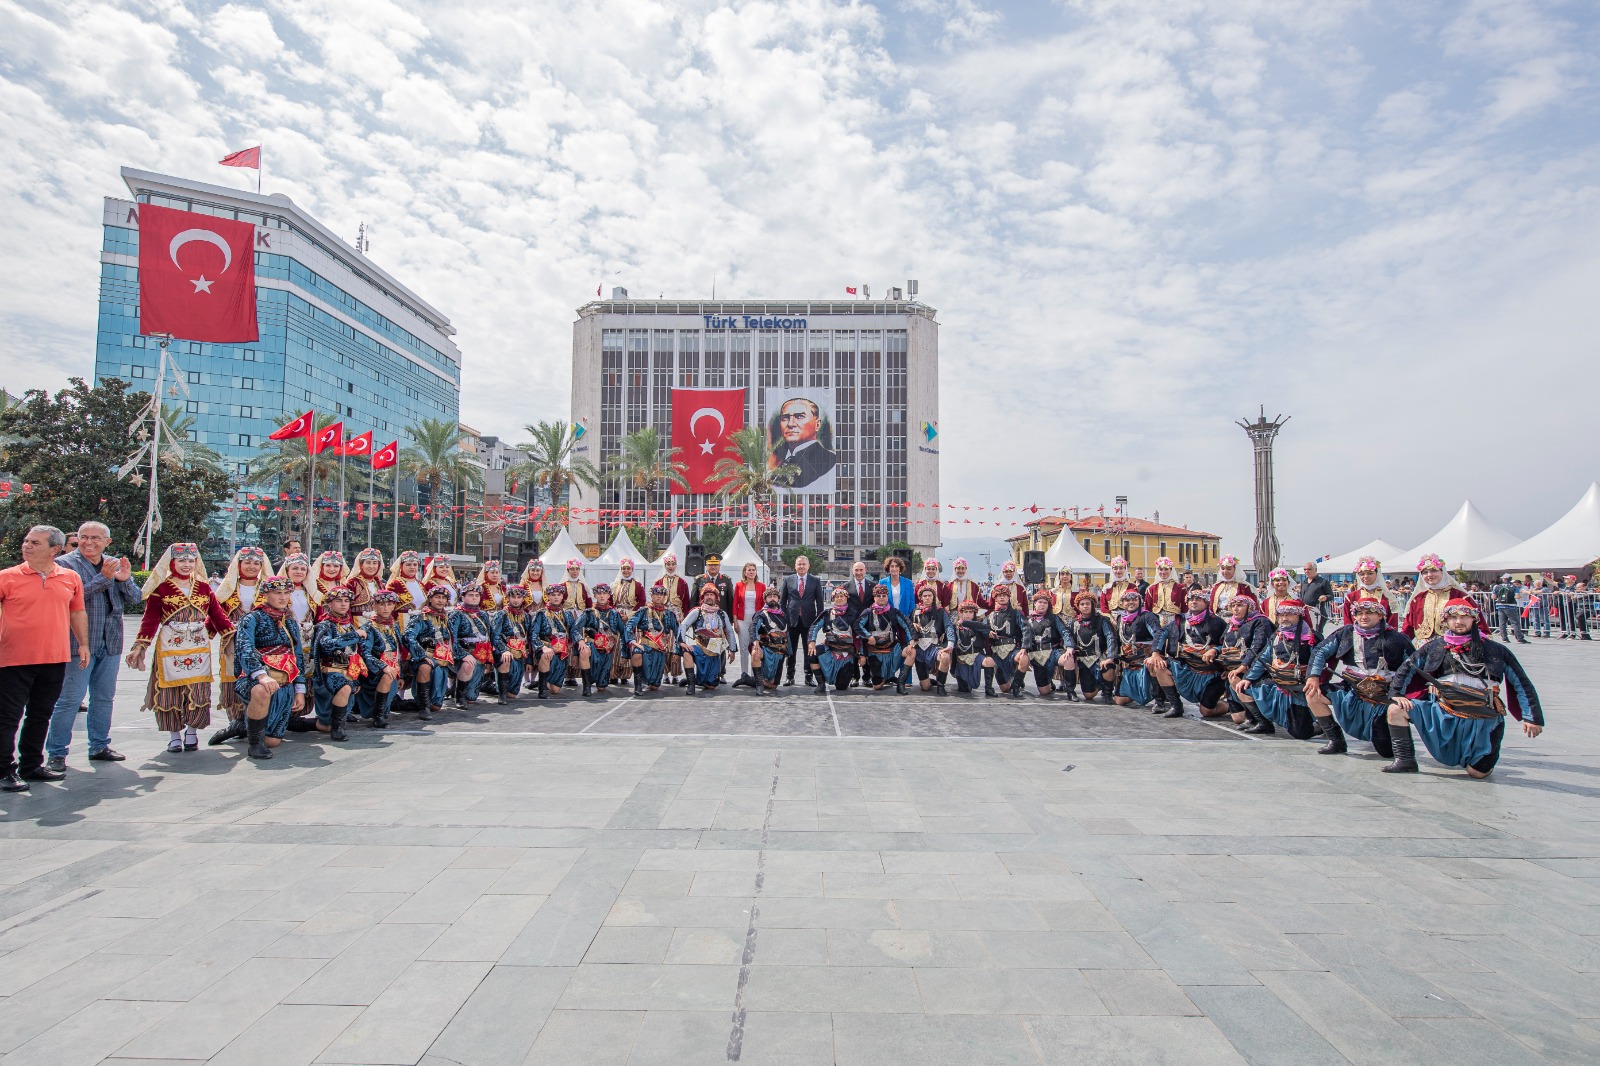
(197, 276)
(703, 420)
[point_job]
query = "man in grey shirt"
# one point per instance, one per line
(108, 589)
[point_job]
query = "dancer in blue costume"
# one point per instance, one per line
(651, 635)
(381, 651)
(930, 639)
(336, 657)
(430, 657)
(1193, 649)
(708, 633)
(600, 630)
(1275, 682)
(555, 628)
(271, 664)
(833, 644)
(769, 642)
(1347, 680)
(471, 644)
(885, 641)
(1141, 635)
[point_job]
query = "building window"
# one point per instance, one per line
(1162, 549)
(194, 378)
(243, 440)
(247, 383)
(250, 355)
(192, 407)
(1108, 550)
(191, 435)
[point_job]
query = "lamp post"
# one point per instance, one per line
(1262, 433)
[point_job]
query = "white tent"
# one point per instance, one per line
(678, 545)
(608, 567)
(1571, 541)
(1469, 535)
(738, 552)
(555, 557)
(1067, 554)
(1379, 549)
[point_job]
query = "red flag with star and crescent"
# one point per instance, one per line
(197, 276)
(386, 456)
(703, 423)
(358, 446)
(295, 427)
(327, 439)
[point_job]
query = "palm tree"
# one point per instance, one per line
(745, 474)
(438, 457)
(177, 425)
(290, 462)
(644, 464)
(550, 464)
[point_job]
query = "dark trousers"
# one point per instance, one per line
(797, 650)
(27, 698)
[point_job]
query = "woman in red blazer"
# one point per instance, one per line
(749, 594)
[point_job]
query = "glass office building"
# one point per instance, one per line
(875, 362)
(337, 333)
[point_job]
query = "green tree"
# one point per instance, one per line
(886, 550)
(291, 464)
(744, 475)
(8, 403)
(551, 464)
(645, 463)
(178, 425)
(435, 459)
(68, 447)
(789, 555)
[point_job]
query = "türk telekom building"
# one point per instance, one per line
(845, 393)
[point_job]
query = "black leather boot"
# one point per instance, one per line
(1380, 737)
(688, 682)
(588, 686)
(1405, 751)
(380, 715)
(505, 689)
(1335, 735)
(822, 684)
(232, 731)
(336, 717)
(256, 731)
(1259, 724)
(638, 682)
(1174, 702)
(426, 712)
(988, 681)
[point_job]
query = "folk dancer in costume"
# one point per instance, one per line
(1142, 669)
(429, 656)
(579, 597)
(930, 638)
(627, 596)
(1005, 645)
(381, 651)
(405, 581)
(1165, 598)
(1369, 582)
(1061, 594)
(521, 656)
(769, 642)
(532, 579)
(962, 588)
(1046, 643)
(556, 630)
(1425, 612)
(1358, 661)
(1278, 591)
(678, 602)
(1116, 585)
(1193, 648)
(337, 662)
(332, 571)
(1450, 690)
(886, 650)
(271, 666)
(707, 632)
(930, 579)
(652, 635)
(1248, 637)
(493, 584)
(302, 590)
(471, 644)
(237, 592)
(1275, 682)
(832, 645)
(969, 649)
(181, 615)
(438, 574)
(366, 582)
(1228, 585)
(1094, 644)
(1008, 581)
(600, 633)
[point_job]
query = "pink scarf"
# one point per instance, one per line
(1458, 640)
(1196, 619)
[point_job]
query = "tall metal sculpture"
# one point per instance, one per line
(1262, 433)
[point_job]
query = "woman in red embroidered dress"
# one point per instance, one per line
(181, 615)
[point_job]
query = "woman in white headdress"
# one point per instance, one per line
(303, 599)
(181, 615)
(237, 594)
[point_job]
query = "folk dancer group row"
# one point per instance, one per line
(374, 635)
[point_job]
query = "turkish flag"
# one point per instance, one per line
(197, 276)
(386, 456)
(249, 158)
(328, 438)
(358, 446)
(703, 420)
(295, 427)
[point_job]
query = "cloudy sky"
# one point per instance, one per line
(1139, 220)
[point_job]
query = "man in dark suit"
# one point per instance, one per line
(715, 576)
(800, 422)
(860, 587)
(802, 606)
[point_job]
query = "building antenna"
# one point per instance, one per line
(713, 286)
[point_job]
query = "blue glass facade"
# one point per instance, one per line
(355, 363)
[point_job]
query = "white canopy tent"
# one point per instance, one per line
(678, 546)
(738, 552)
(608, 567)
(1067, 554)
(1469, 535)
(555, 557)
(1570, 542)
(1379, 549)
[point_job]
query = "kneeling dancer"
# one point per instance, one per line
(271, 664)
(600, 630)
(885, 642)
(930, 640)
(769, 642)
(555, 628)
(651, 635)
(706, 632)
(1005, 646)
(1094, 641)
(969, 650)
(335, 657)
(381, 650)
(470, 644)
(428, 652)
(1193, 650)
(1282, 697)
(1363, 657)
(1045, 643)
(832, 645)
(1450, 690)
(1141, 636)
(511, 631)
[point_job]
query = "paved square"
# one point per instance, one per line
(859, 879)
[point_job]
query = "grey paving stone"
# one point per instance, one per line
(1142, 1041)
(201, 963)
(485, 929)
(871, 1040)
(405, 1020)
(560, 932)
(92, 1033)
(585, 1038)
(53, 999)
(1262, 1028)
(835, 989)
(1359, 1029)
(210, 1021)
(287, 1036)
(368, 966)
(640, 986)
(1556, 1036)
(906, 947)
(1009, 991)
(1069, 950)
(622, 943)
(1140, 992)
(1471, 1042)
(499, 1022)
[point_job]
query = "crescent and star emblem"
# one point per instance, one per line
(707, 412)
(202, 283)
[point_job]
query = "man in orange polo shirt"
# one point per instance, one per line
(41, 604)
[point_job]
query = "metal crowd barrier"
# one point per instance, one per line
(1567, 612)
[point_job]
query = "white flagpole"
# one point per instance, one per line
(396, 476)
(369, 500)
(341, 498)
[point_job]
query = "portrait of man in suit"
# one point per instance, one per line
(800, 434)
